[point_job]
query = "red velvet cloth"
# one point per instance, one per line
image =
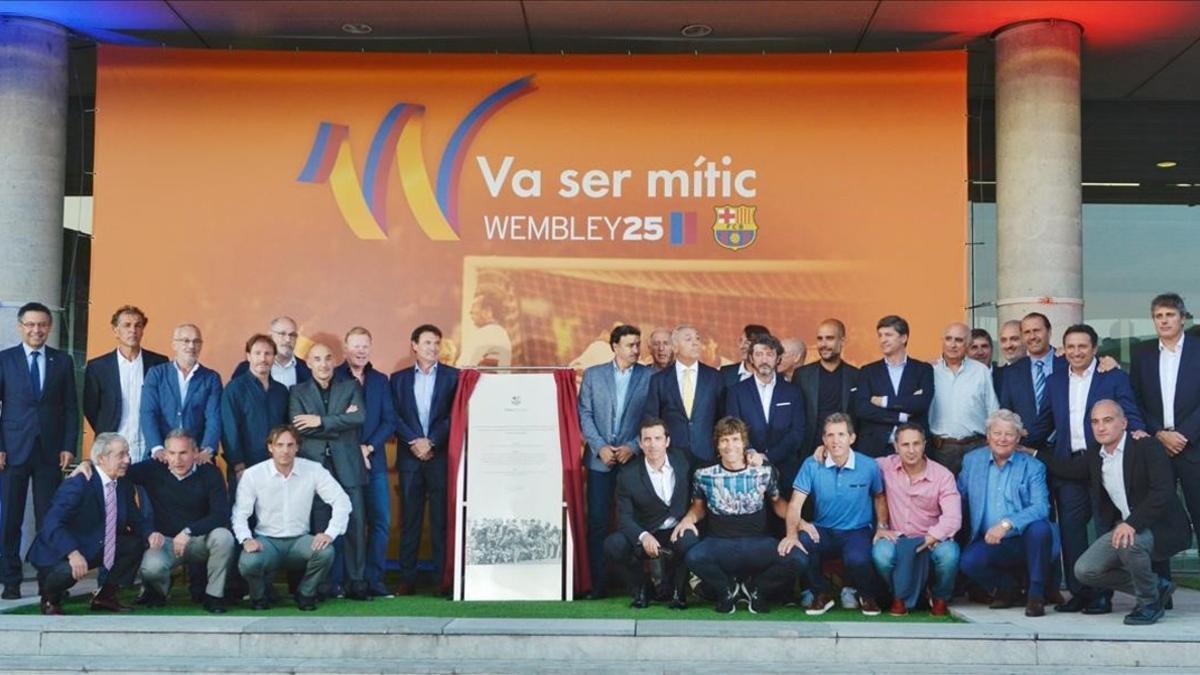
(571, 442)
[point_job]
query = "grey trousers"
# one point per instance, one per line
(1126, 569)
(291, 553)
(216, 548)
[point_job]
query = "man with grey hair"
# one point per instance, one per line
(287, 369)
(963, 397)
(662, 350)
(794, 351)
(92, 523)
(182, 393)
(687, 397)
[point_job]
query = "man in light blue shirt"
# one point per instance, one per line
(963, 397)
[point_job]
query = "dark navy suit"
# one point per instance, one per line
(1016, 394)
(874, 423)
(34, 429)
(1148, 389)
(781, 437)
(102, 389)
(1072, 497)
(694, 433)
(303, 373)
(421, 479)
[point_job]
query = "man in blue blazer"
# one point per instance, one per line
(733, 373)
(251, 406)
(39, 429)
(286, 369)
(773, 409)
(1070, 394)
(1171, 405)
(182, 394)
(894, 390)
(1008, 516)
(1023, 384)
(379, 426)
(689, 422)
(92, 523)
(424, 397)
(112, 383)
(611, 399)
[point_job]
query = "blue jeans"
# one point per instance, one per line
(992, 565)
(377, 495)
(755, 560)
(943, 558)
(601, 486)
(853, 547)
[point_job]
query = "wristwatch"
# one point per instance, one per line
(1008, 525)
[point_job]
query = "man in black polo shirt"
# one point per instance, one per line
(191, 518)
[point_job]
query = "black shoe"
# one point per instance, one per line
(1166, 592)
(379, 591)
(358, 593)
(214, 605)
(640, 600)
(1003, 599)
(1099, 605)
(306, 603)
(755, 601)
(1077, 603)
(678, 600)
(11, 592)
(1144, 615)
(727, 601)
(198, 597)
(596, 595)
(151, 598)
(261, 604)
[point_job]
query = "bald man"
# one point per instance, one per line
(794, 351)
(963, 397)
(1012, 348)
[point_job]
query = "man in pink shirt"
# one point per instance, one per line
(924, 513)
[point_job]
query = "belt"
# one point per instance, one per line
(939, 441)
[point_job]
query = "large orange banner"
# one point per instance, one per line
(525, 204)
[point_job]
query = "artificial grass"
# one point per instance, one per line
(428, 606)
(1189, 581)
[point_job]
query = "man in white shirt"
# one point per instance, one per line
(963, 397)
(279, 494)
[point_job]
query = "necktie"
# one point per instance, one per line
(689, 390)
(1039, 384)
(35, 374)
(110, 525)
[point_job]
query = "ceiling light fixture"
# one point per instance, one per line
(357, 28)
(1168, 164)
(696, 30)
(1183, 185)
(1120, 185)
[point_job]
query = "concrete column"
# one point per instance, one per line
(33, 148)
(1038, 200)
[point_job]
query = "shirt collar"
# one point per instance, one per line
(830, 464)
(1086, 373)
(432, 369)
(104, 478)
(1178, 346)
(898, 467)
(187, 475)
(903, 362)
(29, 350)
(275, 470)
(762, 385)
(1120, 447)
(666, 467)
(286, 366)
(618, 371)
(680, 368)
(1047, 358)
(195, 367)
(121, 358)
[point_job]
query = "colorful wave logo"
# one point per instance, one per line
(363, 204)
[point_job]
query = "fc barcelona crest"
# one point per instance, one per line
(735, 228)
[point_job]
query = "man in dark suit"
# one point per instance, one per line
(112, 383)
(828, 384)
(424, 397)
(742, 370)
(286, 369)
(1138, 515)
(611, 400)
(251, 406)
(92, 523)
(182, 394)
(39, 429)
(894, 390)
(773, 409)
(687, 396)
(1023, 384)
(1070, 393)
(1171, 404)
(1012, 348)
(379, 426)
(652, 497)
(329, 415)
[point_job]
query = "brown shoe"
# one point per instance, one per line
(898, 608)
(938, 608)
(1035, 607)
(105, 600)
(869, 607)
(1003, 599)
(820, 604)
(405, 588)
(51, 608)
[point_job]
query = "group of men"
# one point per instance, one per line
(986, 475)
(749, 477)
(304, 447)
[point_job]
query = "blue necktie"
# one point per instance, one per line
(35, 374)
(1039, 384)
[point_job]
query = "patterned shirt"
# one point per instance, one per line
(736, 500)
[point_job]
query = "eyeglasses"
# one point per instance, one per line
(280, 333)
(35, 324)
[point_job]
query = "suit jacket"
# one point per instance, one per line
(1016, 394)
(339, 429)
(729, 374)
(664, 401)
(1027, 487)
(638, 507)
(75, 521)
(873, 423)
(808, 378)
(24, 418)
(1148, 389)
(380, 423)
(598, 408)
(998, 378)
(1149, 491)
(1056, 414)
(303, 373)
(162, 410)
(408, 421)
(248, 413)
(781, 438)
(102, 389)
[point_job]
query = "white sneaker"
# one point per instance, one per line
(743, 595)
(849, 598)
